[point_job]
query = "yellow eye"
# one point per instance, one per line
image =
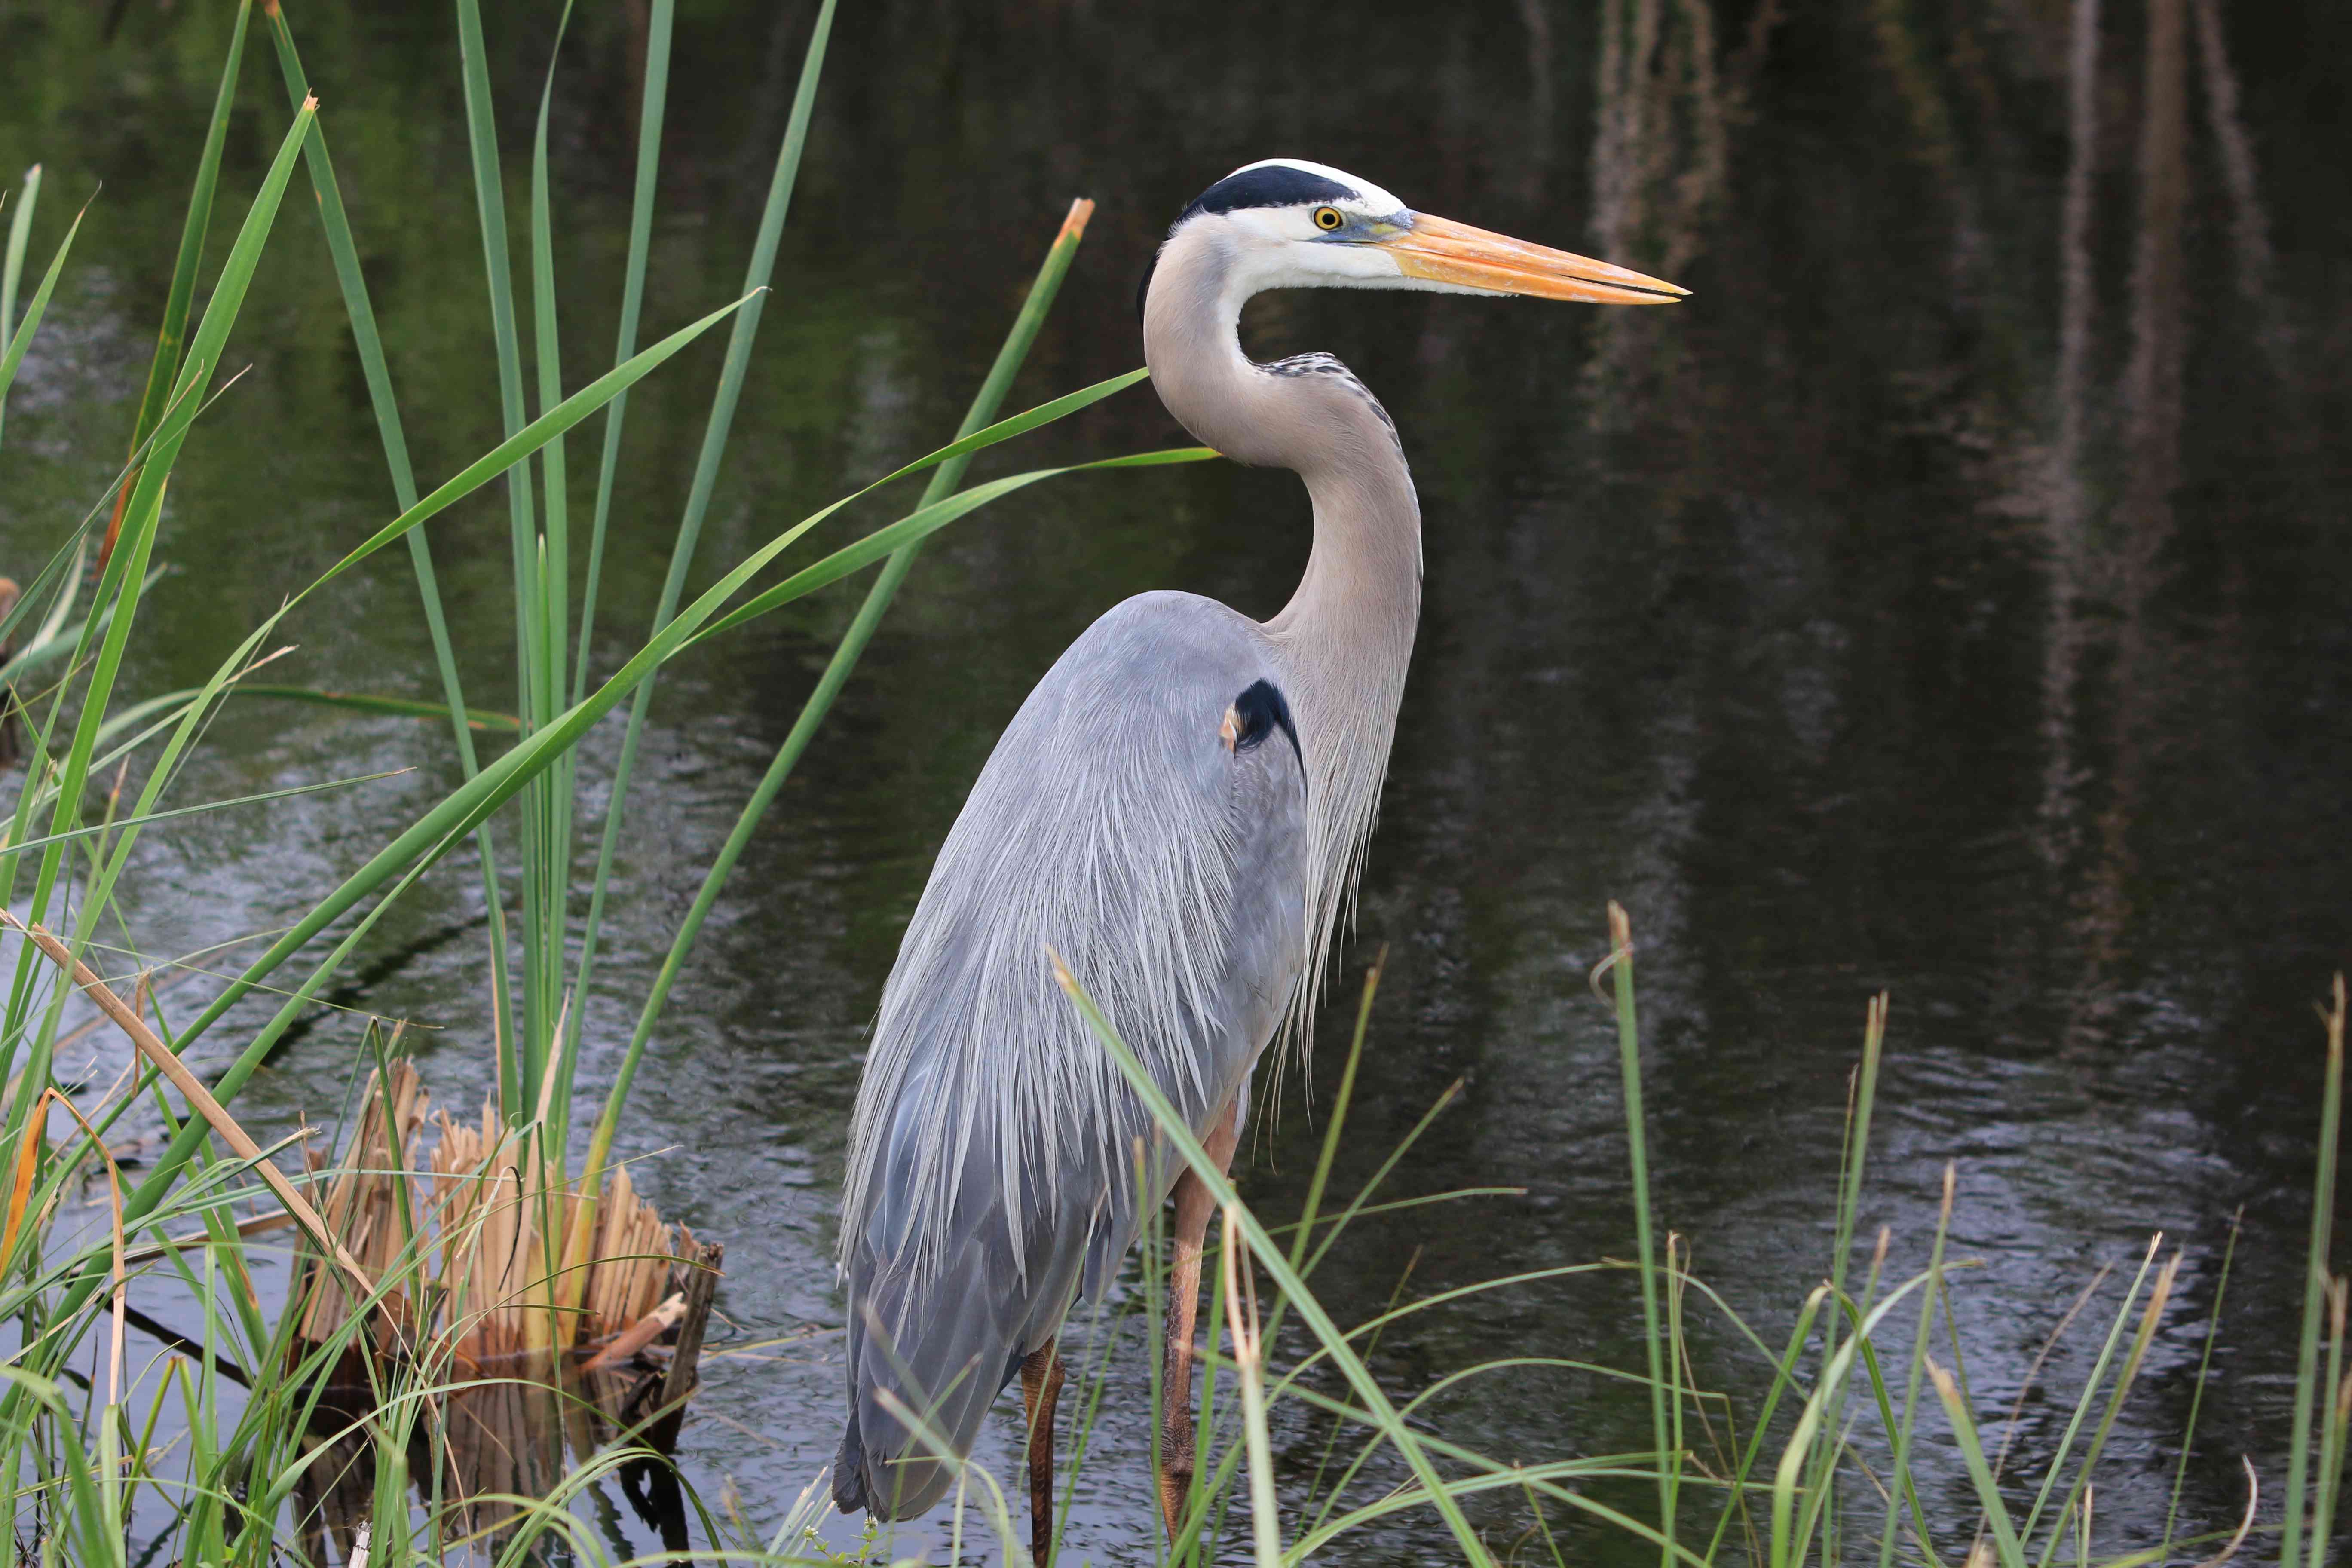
(1327, 218)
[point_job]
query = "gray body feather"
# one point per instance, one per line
(993, 1171)
(1193, 887)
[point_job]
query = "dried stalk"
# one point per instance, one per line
(191, 1088)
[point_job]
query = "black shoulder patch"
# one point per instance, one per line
(1262, 710)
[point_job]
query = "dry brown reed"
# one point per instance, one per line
(535, 1332)
(483, 1229)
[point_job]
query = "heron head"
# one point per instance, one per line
(1283, 223)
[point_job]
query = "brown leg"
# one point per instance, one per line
(1041, 1386)
(1193, 1207)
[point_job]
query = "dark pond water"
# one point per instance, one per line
(1950, 598)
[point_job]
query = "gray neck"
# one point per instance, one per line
(1346, 637)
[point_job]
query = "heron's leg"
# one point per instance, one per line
(1194, 1206)
(1041, 1386)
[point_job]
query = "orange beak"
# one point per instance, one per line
(1444, 251)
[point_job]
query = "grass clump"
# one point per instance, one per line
(1831, 1468)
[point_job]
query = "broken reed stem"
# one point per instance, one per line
(192, 1089)
(639, 1334)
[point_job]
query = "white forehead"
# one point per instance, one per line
(1370, 197)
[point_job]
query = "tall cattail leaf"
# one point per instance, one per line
(716, 431)
(163, 373)
(650, 110)
(334, 219)
(489, 207)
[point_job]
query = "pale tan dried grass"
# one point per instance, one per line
(481, 1236)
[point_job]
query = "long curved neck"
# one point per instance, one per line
(1346, 637)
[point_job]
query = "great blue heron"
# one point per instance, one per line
(1180, 810)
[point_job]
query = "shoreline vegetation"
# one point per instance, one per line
(484, 1331)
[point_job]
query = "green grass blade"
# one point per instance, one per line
(1341, 1101)
(2151, 1318)
(1876, 1374)
(1311, 1210)
(918, 526)
(1821, 1477)
(12, 269)
(163, 373)
(1387, 1167)
(553, 620)
(379, 706)
(1210, 1175)
(91, 829)
(633, 294)
(2335, 1416)
(1372, 1327)
(11, 260)
(1735, 1505)
(2197, 1399)
(1532, 1477)
(1266, 1522)
(1672, 1467)
(1902, 1457)
(490, 214)
(2005, 1542)
(58, 585)
(720, 426)
(195, 713)
(1628, 1052)
(2315, 1286)
(176, 707)
(1792, 1477)
(50, 649)
(508, 454)
(547, 816)
(2090, 1391)
(716, 431)
(1865, 1094)
(490, 218)
(357, 308)
(22, 338)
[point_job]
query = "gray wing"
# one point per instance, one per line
(1161, 852)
